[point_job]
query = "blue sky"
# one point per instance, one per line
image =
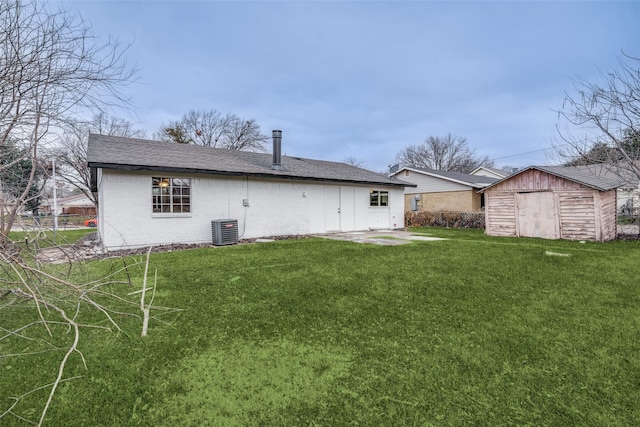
(366, 79)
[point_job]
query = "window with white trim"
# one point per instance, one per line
(378, 198)
(171, 195)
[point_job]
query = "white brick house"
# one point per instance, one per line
(154, 193)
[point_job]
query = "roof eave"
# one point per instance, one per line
(446, 178)
(542, 169)
(240, 173)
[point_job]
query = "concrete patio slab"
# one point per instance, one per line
(379, 237)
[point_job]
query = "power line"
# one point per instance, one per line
(587, 140)
(522, 154)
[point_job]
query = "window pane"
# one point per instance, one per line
(384, 198)
(373, 198)
(170, 194)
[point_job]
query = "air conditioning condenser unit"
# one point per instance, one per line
(224, 231)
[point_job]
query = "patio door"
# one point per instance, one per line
(332, 209)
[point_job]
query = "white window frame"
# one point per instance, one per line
(377, 197)
(171, 196)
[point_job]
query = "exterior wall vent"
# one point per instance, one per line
(224, 231)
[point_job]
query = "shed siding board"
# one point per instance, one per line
(276, 207)
(582, 213)
(608, 211)
(535, 180)
(500, 207)
(577, 215)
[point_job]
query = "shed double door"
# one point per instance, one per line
(537, 215)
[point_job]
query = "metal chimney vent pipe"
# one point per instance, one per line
(277, 150)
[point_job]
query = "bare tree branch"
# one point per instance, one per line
(51, 68)
(353, 161)
(600, 123)
(212, 129)
(58, 301)
(448, 153)
(71, 152)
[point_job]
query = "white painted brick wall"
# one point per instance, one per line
(275, 208)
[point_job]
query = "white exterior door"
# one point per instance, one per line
(332, 208)
(536, 215)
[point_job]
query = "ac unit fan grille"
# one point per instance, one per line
(224, 231)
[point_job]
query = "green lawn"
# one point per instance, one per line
(47, 238)
(472, 330)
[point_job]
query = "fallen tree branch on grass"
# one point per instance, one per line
(62, 301)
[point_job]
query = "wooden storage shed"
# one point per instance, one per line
(552, 202)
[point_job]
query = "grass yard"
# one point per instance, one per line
(473, 330)
(46, 238)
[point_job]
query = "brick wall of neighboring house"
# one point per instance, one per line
(81, 211)
(454, 201)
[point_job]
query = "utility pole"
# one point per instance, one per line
(55, 201)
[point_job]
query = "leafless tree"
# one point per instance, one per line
(600, 123)
(71, 152)
(354, 161)
(51, 68)
(447, 153)
(213, 129)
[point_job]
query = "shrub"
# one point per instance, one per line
(445, 219)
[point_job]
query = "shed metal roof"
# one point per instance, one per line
(112, 152)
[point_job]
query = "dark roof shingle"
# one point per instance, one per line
(139, 154)
(476, 181)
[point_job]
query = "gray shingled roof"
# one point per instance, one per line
(579, 174)
(498, 171)
(476, 181)
(584, 176)
(113, 152)
(621, 173)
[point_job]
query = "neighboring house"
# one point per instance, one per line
(437, 190)
(154, 193)
(552, 202)
(490, 172)
(77, 204)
